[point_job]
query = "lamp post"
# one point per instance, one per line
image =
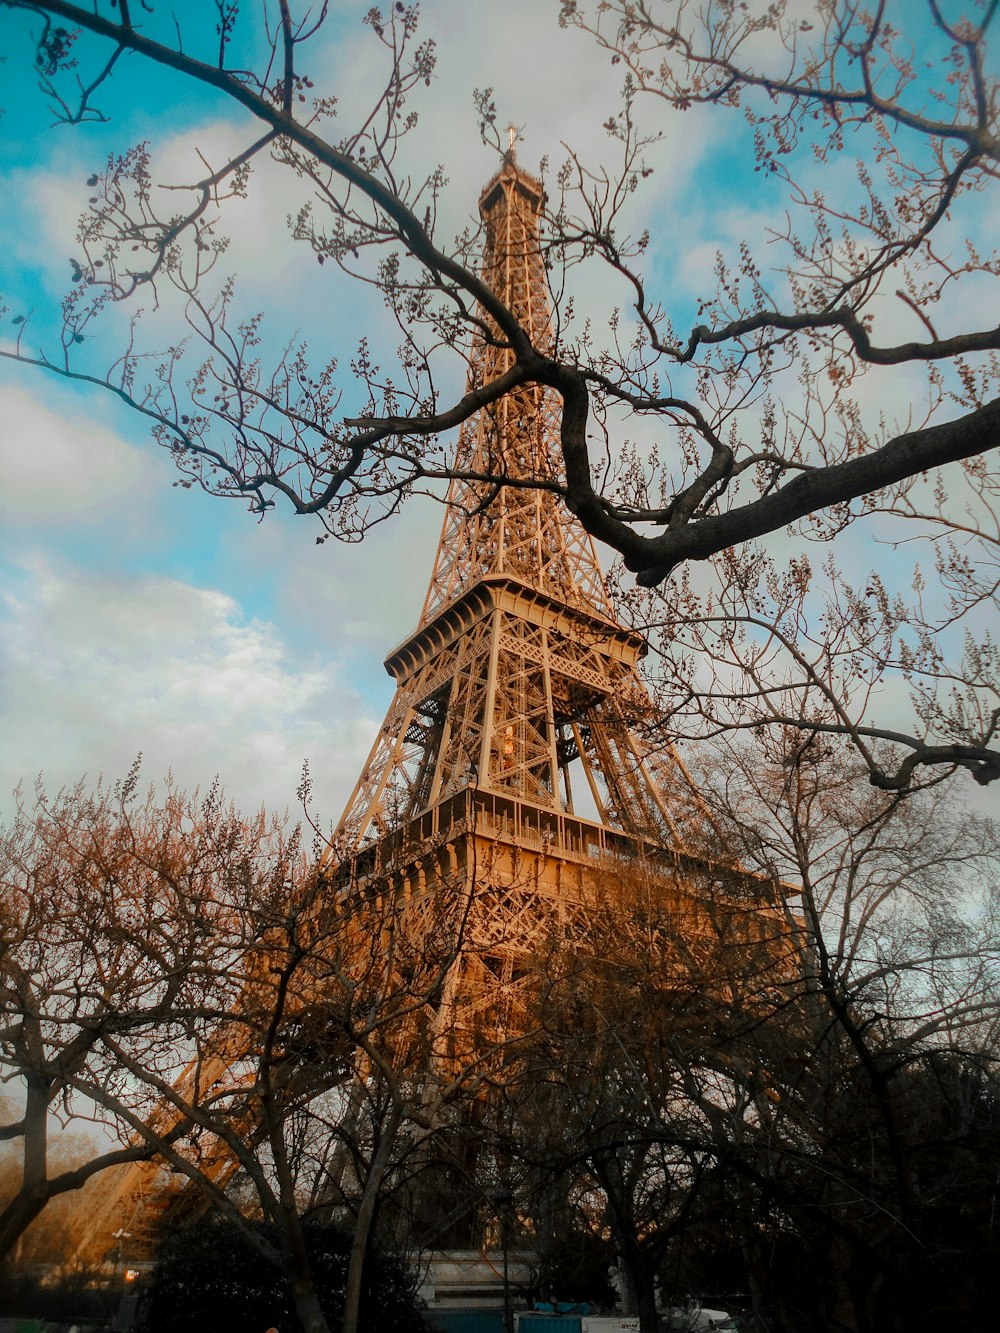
(502, 1201)
(121, 1235)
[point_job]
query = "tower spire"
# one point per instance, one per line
(523, 530)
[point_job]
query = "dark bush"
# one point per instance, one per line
(209, 1279)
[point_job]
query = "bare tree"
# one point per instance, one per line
(202, 988)
(810, 1089)
(113, 933)
(650, 999)
(898, 900)
(758, 415)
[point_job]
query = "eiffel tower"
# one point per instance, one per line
(510, 747)
(518, 683)
(509, 761)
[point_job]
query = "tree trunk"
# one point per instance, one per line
(307, 1307)
(638, 1287)
(365, 1218)
(33, 1194)
(841, 1309)
(645, 1290)
(18, 1215)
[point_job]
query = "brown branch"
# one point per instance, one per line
(410, 230)
(981, 762)
(654, 559)
(731, 76)
(984, 341)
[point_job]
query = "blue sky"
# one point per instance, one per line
(139, 617)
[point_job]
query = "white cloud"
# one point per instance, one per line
(358, 597)
(561, 88)
(98, 668)
(53, 465)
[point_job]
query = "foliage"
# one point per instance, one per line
(197, 983)
(574, 1265)
(208, 1277)
(117, 949)
(67, 1299)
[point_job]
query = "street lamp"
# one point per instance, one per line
(502, 1200)
(121, 1236)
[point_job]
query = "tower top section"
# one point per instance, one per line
(518, 687)
(496, 192)
(505, 516)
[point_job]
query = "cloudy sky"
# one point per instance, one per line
(137, 617)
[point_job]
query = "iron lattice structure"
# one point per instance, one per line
(518, 679)
(510, 769)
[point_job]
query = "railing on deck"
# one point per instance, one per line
(508, 820)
